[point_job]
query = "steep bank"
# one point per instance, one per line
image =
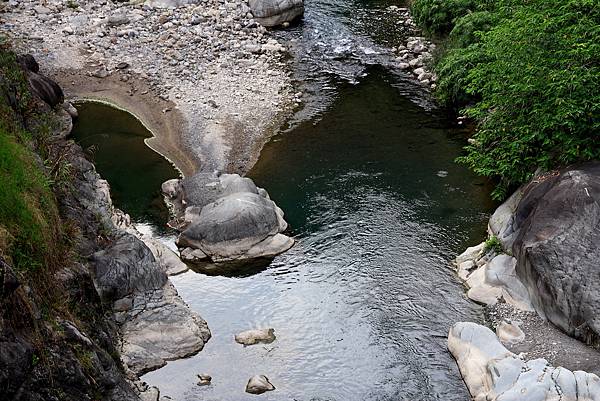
(207, 79)
(90, 298)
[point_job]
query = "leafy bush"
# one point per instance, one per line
(493, 244)
(437, 16)
(468, 28)
(529, 73)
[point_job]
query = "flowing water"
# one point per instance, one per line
(365, 172)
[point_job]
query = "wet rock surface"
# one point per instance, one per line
(259, 384)
(251, 337)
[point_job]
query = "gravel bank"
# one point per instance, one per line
(206, 79)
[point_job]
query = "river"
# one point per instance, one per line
(365, 173)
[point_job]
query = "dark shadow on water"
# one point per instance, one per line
(239, 269)
(114, 140)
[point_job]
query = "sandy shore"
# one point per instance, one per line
(205, 78)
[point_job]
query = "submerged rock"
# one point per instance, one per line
(251, 337)
(491, 372)
(259, 384)
(276, 12)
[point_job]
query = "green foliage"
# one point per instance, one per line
(468, 28)
(529, 74)
(28, 214)
(493, 244)
(437, 16)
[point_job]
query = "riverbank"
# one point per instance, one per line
(207, 80)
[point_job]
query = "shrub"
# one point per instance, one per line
(529, 74)
(437, 16)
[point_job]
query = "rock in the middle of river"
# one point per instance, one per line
(226, 217)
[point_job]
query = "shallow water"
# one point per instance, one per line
(362, 304)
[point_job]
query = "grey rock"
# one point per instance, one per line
(501, 224)
(558, 225)
(69, 108)
(204, 379)
(117, 20)
(236, 226)
(509, 333)
(259, 384)
(276, 12)
(166, 258)
(159, 328)
(251, 337)
(126, 267)
(491, 372)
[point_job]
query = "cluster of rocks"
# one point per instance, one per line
(416, 54)
(224, 218)
(210, 59)
(549, 232)
(153, 322)
(491, 372)
(257, 384)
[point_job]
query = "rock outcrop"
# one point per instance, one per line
(491, 278)
(226, 217)
(492, 373)
(156, 325)
(276, 12)
(42, 86)
(552, 227)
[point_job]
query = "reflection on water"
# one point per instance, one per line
(115, 141)
(362, 304)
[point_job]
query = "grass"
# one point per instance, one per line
(29, 220)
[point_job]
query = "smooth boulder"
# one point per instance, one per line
(259, 384)
(557, 248)
(492, 373)
(251, 337)
(276, 12)
(225, 218)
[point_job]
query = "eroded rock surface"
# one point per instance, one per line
(558, 225)
(225, 217)
(492, 373)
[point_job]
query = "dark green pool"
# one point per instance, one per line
(115, 141)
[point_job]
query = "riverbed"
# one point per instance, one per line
(365, 173)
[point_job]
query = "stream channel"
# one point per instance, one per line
(365, 172)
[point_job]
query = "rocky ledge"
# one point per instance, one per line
(540, 265)
(225, 218)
